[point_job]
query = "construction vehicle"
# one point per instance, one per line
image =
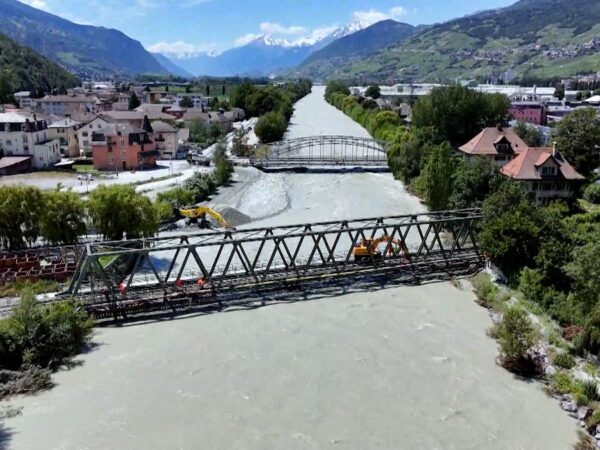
(368, 249)
(198, 213)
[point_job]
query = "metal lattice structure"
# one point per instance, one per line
(115, 279)
(322, 151)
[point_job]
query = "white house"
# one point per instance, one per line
(24, 99)
(24, 135)
(84, 134)
(61, 105)
(198, 100)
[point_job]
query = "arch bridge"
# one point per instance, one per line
(344, 151)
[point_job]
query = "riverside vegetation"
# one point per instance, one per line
(273, 105)
(28, 214)
(549, 254)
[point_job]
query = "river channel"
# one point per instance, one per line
(399, 368)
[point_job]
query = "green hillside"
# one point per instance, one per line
(541, 38)
(23, 69)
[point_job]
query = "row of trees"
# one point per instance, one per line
(28, 214)
(272, 104)
(551, 254)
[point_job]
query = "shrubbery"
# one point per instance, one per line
(592, 193)
(271, 127)
(37, 337)
(516, 336)
(564, 361)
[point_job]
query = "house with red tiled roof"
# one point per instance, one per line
(545, 174)
(498, 144)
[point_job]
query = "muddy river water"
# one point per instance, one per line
(400, 368)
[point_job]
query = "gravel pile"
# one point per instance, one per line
(233, 216)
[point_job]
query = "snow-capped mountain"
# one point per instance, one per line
(264, 55)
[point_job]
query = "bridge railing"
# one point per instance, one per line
(115, 272)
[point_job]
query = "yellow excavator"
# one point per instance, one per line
(198, 213)
(368, 249)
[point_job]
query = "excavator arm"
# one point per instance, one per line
(197, 212)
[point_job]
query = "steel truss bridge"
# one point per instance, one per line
(117, 280)
(345, 151)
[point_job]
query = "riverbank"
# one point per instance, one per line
(405, 367)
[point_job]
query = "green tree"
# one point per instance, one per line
(186, 102)
(271, 127)
(437, 176)
(62, 221)
(118, 210)
(592, 193)
(510, 229)
(336, 87)
(188, 89)
(584, 269)
(241, 94)
(223, 166)
(516, 334)
(20, 210)
(458, 113)
(578, 139)
(559, 93)
(42, 335)
(405, 157)
(6, 88)
(530, 134)
(373, 92)
(473, 182)
(134, 102)
(208, 90)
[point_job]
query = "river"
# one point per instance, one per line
(400, 368)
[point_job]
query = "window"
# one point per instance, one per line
(549, 170)
(84, 134)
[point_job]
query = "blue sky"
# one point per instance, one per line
(181, 27)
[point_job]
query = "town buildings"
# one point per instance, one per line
(84, 134)
(24, 99)
(26, 136)
(65, 130)
(124, 147)
(530, 112)
(62, 105)
(544, 173)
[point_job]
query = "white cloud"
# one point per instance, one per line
(275, 28)
(39, 4)
(372, 16)
(181, 49)
(246, 39)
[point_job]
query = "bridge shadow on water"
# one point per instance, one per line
(5, 436)
(252, 299)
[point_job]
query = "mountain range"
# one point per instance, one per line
(532, 38)
(82, 49)
(262, 56)
(21, 69)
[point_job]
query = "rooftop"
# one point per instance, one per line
(483, 143)
(68, 99)
(525, 166)
(67, 122)
(7, 161)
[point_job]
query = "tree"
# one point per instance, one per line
(20, 210)
(240, 96)
(62, 221)
(208, 90)
(223, 91)
(134, 102)
(336, 87)
(223, 167)
(405, 157)
(6, 89)
(559, 93)
(188, 89)
(119, 210)
(458, 113)
(271, 127)
(472, 183)
(516, 335)
(584, 269)
(510, 229)
(437, 176)
(530, 134)
(186, 102)
(578, 139)
(592, 193)
(373, 91)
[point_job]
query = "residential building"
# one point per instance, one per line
(498, 144)
(62, 105)
(545, 174)
(136, 118)
(156, 97)
(84, 134)
(124, 147)
(25, 100)
(199, 100)
(531, 112)
(22, 135)
(224, 120)
(122, 102)
(166, 138)
(65, 130)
